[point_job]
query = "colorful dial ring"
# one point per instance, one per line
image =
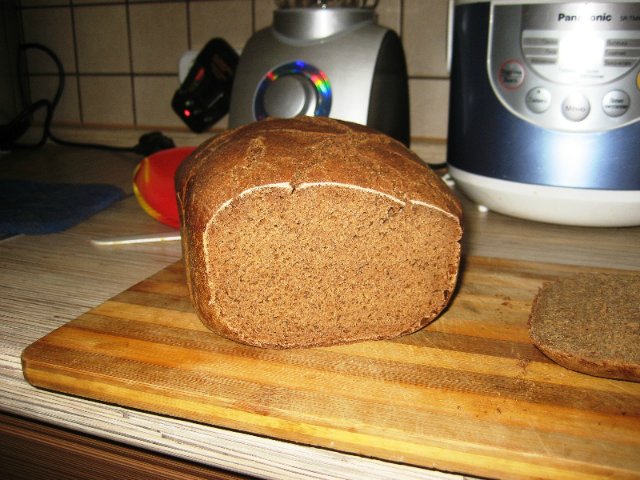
(316, 77)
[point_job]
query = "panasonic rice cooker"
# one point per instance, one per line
(544, 119)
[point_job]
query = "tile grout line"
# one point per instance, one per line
(401, 21)
(187, 6)
(253, 16)
(76, 60)
(131, 70)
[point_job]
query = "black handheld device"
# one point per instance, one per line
(204, 96)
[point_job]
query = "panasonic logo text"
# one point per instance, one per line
(604, 17)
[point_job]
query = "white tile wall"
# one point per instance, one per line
(152, 50)
(121, 56)
(101, 39)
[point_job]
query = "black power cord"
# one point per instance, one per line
(10, 134)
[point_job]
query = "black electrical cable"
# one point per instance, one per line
(149, 143)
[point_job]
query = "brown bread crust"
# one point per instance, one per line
(590, 323)
(302, 152)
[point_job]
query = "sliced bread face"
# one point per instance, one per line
(324, 261)
(590, 323)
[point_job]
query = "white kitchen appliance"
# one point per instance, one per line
(325, 58)
(544, 117)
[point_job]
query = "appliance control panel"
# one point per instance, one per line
(567, 66)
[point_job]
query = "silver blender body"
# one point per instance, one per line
(334, 62)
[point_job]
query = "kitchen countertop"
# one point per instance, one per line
(46, 281)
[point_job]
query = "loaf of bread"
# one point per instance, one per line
(313, 232)
(590, 323)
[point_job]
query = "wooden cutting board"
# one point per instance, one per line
(467, 394)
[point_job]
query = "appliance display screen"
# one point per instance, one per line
(586, 43)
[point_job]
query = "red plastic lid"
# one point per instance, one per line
(153, 184)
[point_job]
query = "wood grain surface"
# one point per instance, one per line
(467, 394)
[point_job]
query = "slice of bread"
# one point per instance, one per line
(311, 231)
(590, 323)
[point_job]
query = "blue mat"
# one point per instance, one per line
(39, 208)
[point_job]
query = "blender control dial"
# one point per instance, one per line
(289, 96)
(295, 88)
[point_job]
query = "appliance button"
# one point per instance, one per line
(288, 96)
(542, 60)
(538, 99)
(623, 42)
(511, 74)
(617, 62)
(540, 41)
(616, 103)
(576, 107)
